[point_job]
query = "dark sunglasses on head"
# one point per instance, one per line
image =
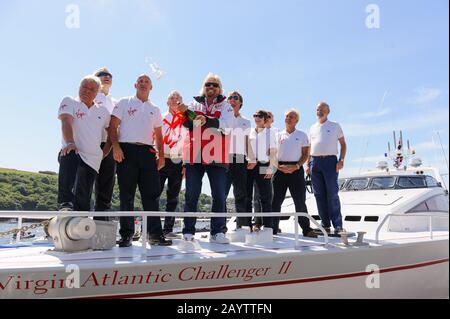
(211, 84)
(100, 74)
(234, 97)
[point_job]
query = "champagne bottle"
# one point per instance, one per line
(191, 115)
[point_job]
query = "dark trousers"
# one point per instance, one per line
(75, 183)
(257, 203)
(237, 176)
(217, 180)
(326, 187)
(256, 175)
(295, 182)
(139, 169)
(172, 173)
(104, 185)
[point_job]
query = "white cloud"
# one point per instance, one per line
(380, 113)
(418, 121)
(425, 95)
(369, 159)
(426, 146)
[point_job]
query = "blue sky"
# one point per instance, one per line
(279, 54)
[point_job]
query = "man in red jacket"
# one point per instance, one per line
(209, 119)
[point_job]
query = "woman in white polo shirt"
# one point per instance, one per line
(133, 123)
(261, 164)
(293, 152)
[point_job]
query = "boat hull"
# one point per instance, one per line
(409, 270)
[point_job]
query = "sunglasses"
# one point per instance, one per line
(211, 84)
(234, 97)
(100, 74)
(258, 116)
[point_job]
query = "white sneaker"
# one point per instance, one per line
(219, 238)
(189, 243)
(171, 235)
(188, 237)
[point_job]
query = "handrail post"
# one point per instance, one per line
(19, 226)
(431, 227)
(144, 236)
(296, 230)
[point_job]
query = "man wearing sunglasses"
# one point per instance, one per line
(104, 183)
(209, 118)
(237, 170)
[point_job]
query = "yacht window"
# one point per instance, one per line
(411, 182)
(357, 184)
(431, 182)
(422, 207)
(341, 182)
(438, 203)
(383, 182)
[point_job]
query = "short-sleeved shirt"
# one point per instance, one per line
(174, 134)
(88, 126)
(261, 143)
(138, 120)
(290, 145)
(324, 138)
(108, 102)
(240, 131)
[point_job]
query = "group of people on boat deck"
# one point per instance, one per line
(130, 137)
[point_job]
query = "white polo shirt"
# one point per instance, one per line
(290, 145)
(88, 126)
(138, 120)
(240, 131)
(108, 102)
(261, 143)
(174, 134)
(324, 138)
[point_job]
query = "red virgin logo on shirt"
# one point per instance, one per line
(80, 114)
(131, 111)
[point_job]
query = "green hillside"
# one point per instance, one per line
(21, 190)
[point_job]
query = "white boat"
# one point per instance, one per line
(404, 254)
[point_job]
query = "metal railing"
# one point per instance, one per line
(430, 222)
(50, 214)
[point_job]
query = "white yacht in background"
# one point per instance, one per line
(402, 211)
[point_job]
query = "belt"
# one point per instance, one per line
(287, 163)
(138, 144)
(323, 156)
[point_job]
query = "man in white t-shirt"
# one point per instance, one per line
(134, 124)
(293, 152)
(237, 169)
(83, 123)
(104, 183)
(324, 167)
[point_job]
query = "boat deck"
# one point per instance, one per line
(22, 257)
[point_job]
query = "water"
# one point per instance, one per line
(4, 226)
(201, 225)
